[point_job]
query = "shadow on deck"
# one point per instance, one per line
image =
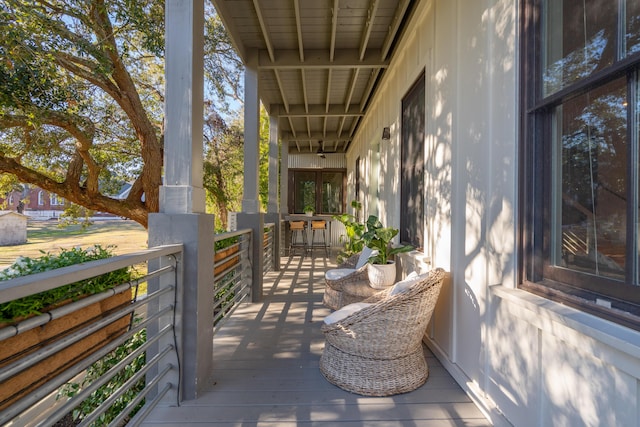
(266, 370)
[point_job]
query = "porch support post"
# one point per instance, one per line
(251, 217)
(182, 197)
(284, 178)
(273, 208)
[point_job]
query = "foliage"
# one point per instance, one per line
(74, 214)
(35, 304)
(101, 368)
(379, 237)
(223, 168)
(354, 230)
(82, 97)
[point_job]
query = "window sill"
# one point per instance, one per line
(547, 315)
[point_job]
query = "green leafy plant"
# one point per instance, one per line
(308, 208)
(101, 368)
(379, 237)
(353, 233)
(35, 304)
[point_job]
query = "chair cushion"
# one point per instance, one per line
(338, 273)
(366, 253)
(407, 283)
(344, 312)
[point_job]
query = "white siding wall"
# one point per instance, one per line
(529, 361)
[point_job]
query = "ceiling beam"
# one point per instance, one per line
(315, 136)
(328, 98)
(352, 87)
(368, 26)
(317, 59)
(334, 28)
(296, 6)
(263, 27)
(281, 88)
(369, 89)
(317, 110)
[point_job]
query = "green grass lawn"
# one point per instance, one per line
(124, 235)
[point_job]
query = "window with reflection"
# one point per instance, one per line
(412, 165)
(581, 174)
(321, 191)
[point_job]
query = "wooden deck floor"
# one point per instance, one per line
(266, 370)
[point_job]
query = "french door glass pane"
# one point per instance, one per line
(305, 188)
(331, 192)
(579, 38)
(590, 149)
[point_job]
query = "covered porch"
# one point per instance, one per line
(265, 370)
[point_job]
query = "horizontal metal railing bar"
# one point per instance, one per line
(72, 371)
(35, 283)
(226, 248)
(230, 234)
(13, 330)
(237, 298)
(237, 287)
(224, 282)
(142, 414)
(85, 392)
(220, 323)
(47, 351)
(106, 404)
(118, 420)
(42, 319)
(225, 260)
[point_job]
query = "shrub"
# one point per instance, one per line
(35, 304)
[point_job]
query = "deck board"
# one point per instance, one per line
(265, 370)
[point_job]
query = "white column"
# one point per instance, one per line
(250, 198)
(284, 178)
(182, 190)
(273, 205)
(182, 197)
(251, 217)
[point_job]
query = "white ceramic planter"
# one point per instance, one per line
(382, 276)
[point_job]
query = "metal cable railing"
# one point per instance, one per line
(98, 337)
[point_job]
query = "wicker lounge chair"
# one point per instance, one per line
(349, 282)
(377, 350)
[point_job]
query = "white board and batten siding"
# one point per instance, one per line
(527, 360)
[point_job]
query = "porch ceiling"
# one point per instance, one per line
(318, 61)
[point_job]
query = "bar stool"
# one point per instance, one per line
(319, 225)
(298, 228)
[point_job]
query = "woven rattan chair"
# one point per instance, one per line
(349, 282)
(377, 350)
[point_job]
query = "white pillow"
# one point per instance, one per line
(366, 253)
(345, 311)
(338, 273)
(407, 283)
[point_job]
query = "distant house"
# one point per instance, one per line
(35, 202)
(13, 228)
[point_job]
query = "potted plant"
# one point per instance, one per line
(308, 210)
(353, 242)
(382, 271)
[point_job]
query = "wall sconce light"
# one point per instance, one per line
(386, 133)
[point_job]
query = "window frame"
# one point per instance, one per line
(318, 180)
(537, 274)
(409, 226)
